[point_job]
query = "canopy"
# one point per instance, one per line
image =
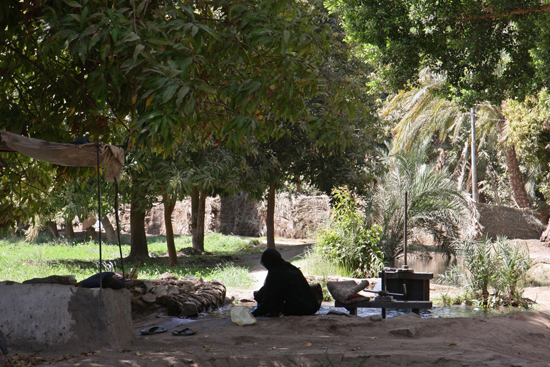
(83, 155)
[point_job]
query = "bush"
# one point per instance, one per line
(348, 240)
(491, 266)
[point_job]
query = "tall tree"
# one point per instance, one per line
(423, 113)
(529, 130)
(162, 72)
(487, 50)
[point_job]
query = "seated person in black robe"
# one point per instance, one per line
(285, 290)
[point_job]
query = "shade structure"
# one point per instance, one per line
(82, 155)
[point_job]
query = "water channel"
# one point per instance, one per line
(435, 312)
(437, 264)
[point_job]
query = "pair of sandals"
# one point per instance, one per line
(157, 330)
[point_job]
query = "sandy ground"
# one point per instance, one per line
(519, 339)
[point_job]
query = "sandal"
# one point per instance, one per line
(186, 331)
(153, 330)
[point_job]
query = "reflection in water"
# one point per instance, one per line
(436, 263)
(435, 312)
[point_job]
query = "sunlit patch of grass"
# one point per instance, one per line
(232, 276)
(313, 263)
(215, 243)
(20, 260)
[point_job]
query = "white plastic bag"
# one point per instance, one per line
(241, 316)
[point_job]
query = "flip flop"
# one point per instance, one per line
(186, 331)
(153, 330)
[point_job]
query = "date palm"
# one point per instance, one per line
(421, 113)
(435, 207)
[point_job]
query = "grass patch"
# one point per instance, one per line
(21, 260)
(233, 276)
(216, 243)
(313, 263)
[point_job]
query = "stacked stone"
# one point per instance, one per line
(184, 297)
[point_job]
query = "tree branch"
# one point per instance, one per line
(513, 12)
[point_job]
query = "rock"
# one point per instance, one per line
(148, 286)
(376, 318)
(139, 290)
(173, 362)
(160, 291)
(173, 290)
(149, 298)
(189, 309)
(409, 331)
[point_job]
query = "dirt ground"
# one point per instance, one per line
(518, 339)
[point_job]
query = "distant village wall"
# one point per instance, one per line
(296, 216)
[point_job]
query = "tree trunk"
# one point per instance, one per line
(110, 233)
(494, 185)
(169, 206)
(200, 224)
(195, 199)
(462, 165)
(69, 230)
(52, 227)
(516, 178)
(138, 245)
(270, 220)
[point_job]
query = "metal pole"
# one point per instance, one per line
(475, 193)
(406, 220)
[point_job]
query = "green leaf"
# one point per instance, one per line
(130, 36)
(286, 36)
(137, 50)
(181, 94)
(72, 3)
(169, 92)
(76, 17)
(141, 6)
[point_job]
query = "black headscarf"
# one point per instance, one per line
(271, 258)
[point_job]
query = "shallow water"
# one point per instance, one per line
(435, 312)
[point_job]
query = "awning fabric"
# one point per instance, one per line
(84, 155)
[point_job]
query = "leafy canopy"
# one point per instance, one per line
(488, 50)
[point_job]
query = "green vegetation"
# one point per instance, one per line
(492, 273)
(435, 205)
(20, 260)
(348, 240)
(313, 262)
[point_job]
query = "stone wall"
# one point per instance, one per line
(296, 216)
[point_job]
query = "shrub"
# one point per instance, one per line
(348, 240)
(491, 266)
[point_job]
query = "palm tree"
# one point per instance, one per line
(421, 113)
(436, 206)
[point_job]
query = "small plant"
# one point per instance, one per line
(348, 240)
(491, 266)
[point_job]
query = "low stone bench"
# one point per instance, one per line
(36, 317)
